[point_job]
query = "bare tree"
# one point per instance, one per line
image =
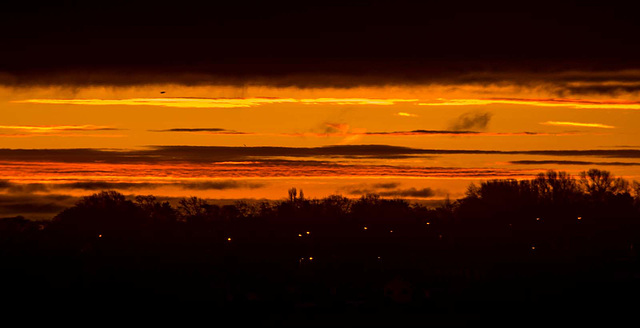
(192, 206)
(600, 183)
(293, 193)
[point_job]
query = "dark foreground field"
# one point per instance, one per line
(500, 256)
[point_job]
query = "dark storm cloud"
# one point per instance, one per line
(471, 120)
(311, 43)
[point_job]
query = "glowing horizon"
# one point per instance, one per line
(225, 142)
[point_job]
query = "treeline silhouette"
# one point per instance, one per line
(554, 243)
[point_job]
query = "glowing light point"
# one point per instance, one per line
(537, 219)
(99, 236)
(308, 232)
(391, 231)
(365, 228)
(299, 235)
(579, 218)
(229, 239)
(311, 258)
(533, 247)
(428, 223)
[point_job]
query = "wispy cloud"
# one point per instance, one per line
(217, 102)
(587, 125)
(403, 114)
(203, 131)
(166, 102)
(386, 185)
(419, 133)
(546, 102)
(411, 192)
(26, 131)
(201, 185)
(93, 185)
(266, 168)
(336, 128)
(56, 128)
(471, 121)
(187, 102)
(356, 101)
(220, 154)
(551, 162)
(390, 189)
(34, 205)
(465, 133)
(65, 135)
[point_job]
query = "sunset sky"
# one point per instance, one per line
(244, 101)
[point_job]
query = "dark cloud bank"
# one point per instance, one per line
(43, 201)
(313, 43)
(104, 185)
(209, 154)
(391, 189)
(527, 162)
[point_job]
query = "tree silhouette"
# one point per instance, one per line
(156, 211)
(192, 207)
(293, 193)
(600, 184)
(556, 187)
(514, 240)
(105, 210)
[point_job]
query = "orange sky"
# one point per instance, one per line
(124, 120)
